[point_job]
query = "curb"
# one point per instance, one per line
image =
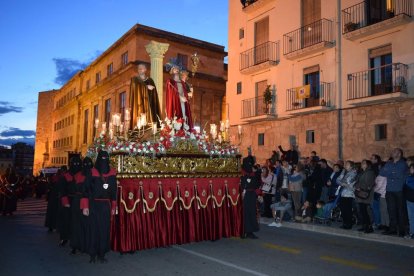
(335, 231)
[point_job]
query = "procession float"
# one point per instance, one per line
(176, 183)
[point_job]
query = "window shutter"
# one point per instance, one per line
(261, 31)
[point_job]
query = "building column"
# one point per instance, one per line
(156, 51)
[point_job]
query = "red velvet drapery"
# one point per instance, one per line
(161, 212)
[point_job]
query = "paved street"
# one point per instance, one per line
(27, 249)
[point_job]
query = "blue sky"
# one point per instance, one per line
(39, 37)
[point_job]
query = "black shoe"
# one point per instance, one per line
(102, 260)
(73, 252)
(50, 230)
(252, 236)
(361, 229)
(92, 260)
(369, 230)
(346, 227)
(243, 236)
(401, 234)
(62, 243)
(389, 232)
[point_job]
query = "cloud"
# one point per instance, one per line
(66, 68)
(6, 107)
(12, 135)
(17, 132)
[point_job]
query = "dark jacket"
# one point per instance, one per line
(366, 182)
(396, 174)
(409, 188)
(291, 156)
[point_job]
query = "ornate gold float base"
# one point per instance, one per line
(176, 165)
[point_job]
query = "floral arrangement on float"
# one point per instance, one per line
(165, 139)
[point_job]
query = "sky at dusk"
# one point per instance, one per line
(45, 40)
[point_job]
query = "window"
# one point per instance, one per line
(381, 70)
(98, 77)
(292, 140)
(88, 84)
(85, 126)
(182, 60)
(95, 116)
(239, 87)
(107, 112)
(241, 33)
(110, 69)
(124, 58)
(122, 104)
(380, 132)
(310, 137)
(261, 139)
(311, 77)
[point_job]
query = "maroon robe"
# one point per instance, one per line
(173, 104)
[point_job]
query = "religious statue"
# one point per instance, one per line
(189, 86)
(143, 98)
(176, 98)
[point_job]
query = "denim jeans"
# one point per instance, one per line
(410, 210)
(376, 212)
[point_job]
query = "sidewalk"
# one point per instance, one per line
(334, 230)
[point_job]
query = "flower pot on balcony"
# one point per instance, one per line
(323, 103)
(351, 26)
(390, 14)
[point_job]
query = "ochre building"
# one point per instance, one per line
(66, 116)
(339, 72)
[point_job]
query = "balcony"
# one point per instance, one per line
(260, 57)
(256, 109)
(362, 19)
(322, 98)
(308, 39)
(380, 84)
(251, 5)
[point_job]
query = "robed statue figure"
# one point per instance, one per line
(177, 97)
(143, 98)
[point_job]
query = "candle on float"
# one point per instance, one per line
(104, 126)
(239, 128)
(154, 128)
(227, 124)
(219, 139)
(221, 126)
(143, 119)
(121, 127)
(96, 123)
(127, 115)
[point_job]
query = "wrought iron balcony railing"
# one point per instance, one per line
(377, 81)
(321, 95)
(364, 14)
(258, 106)
(266, 52)
(307, 36)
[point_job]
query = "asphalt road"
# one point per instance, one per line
(27, 249)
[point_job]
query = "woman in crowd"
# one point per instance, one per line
(364, 194)
(333, 186)
(380, 191)
(295, 187)
(267, 181)
(347, 181)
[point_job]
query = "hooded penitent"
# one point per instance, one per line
(102, 162)
(87, 165)
(75, 165)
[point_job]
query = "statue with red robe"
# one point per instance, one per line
(176, 98)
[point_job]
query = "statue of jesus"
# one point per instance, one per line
(176, 97)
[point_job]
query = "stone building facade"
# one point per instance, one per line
(66, 116)
(355, 58)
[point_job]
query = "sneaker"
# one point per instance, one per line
(273, 224)
(409, 236)
(278, 224)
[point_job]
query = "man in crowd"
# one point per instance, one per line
(396, 171)
(291, 156)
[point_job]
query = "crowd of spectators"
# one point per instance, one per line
(374, 194)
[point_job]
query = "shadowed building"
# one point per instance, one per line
(66, 116)
(339, 76)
